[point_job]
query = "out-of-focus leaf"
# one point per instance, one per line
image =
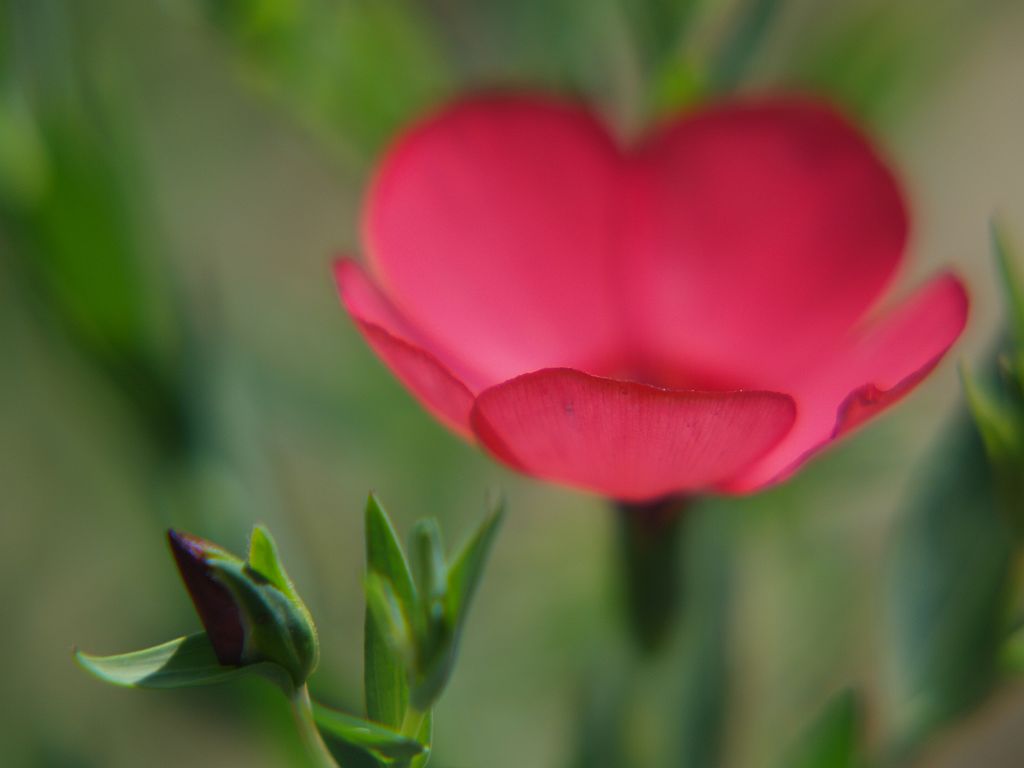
(24, 167)
(1012, 656)
(753, 20)
(677, 85)
(659, 27)
(878, 57)
(431, 572)
(185, 662)
(1013, 285)
(354, 731)
(946, 590)
(384, 676)
(468, 565)
(832, 739)
(998, 403)
(356, 70)
(998, 413)
(73, 216)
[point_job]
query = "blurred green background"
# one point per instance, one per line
(175, 177)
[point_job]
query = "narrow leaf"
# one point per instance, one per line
(187, 661)
(831, 740)
(386, 612)
(1013, 282)
(384, 554)
(384, 678)
(382, 742)
(428, 560)
(468, 565)
(263, 559)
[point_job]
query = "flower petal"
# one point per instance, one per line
(877, 368)
(402, 349)
(490, 228)
(758, 233)
(625, 440)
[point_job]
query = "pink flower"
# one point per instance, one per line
(685, 314)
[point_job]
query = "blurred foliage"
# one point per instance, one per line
(81, 168)
(879, 58)
(72, 218)
(833, 739)
(955, 573)
(948, 586)
(356, 70)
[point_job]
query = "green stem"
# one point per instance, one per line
(412, 722)
(651, 548)
(302, 708)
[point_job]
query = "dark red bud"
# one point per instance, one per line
(215, 605)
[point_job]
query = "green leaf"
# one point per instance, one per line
(831, 741)
(1013, 283)
(429, 561)
(382, 742)
(733, 61)
(185, 662)
(996, 423)
(384, 677)
(389, 617)
(355, 72)
(879, 58)
(264, 560)
(946, 591)
(660, 26)
(468, 565)
(384, 554)
(1012, 654)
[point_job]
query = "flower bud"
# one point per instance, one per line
(249, 609)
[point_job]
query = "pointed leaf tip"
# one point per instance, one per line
(468, 565)
(180, 663)
(265, 560)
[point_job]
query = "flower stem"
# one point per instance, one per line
(412, 722)
(650, 545)
(302, 708)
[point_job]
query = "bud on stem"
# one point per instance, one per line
(250, 610)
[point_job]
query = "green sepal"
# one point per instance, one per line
(384, 677)
(832, 739)
(277, 627)
(250, 609)
(182, 663)
(383, 743)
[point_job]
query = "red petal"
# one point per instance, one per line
(758, 234)
(625, 440)
(490, 228)
(871, 372)
(403, 350)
